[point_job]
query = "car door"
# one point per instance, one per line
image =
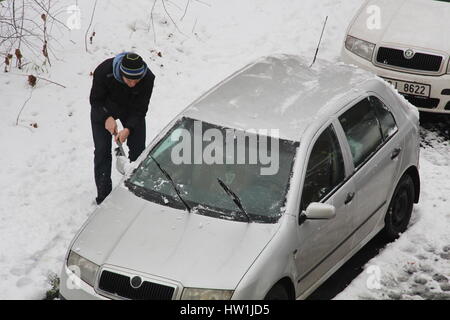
(322, 243)
(370, 131)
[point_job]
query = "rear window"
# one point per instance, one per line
(384, 115)
(363, 132)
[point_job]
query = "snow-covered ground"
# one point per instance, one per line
(47, 186)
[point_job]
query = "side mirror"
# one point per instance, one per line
(318, 211)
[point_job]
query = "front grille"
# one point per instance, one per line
(117, 284)
(420, 61)
(426, 103)
(447, 106)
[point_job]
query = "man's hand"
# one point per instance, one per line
(122, 136)
(111, 126)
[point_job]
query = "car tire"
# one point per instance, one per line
(400, 209)
(278, 292)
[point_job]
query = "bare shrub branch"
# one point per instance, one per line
(170, 17)
(23, 106)
(185, 10)
(90, 24)
(26, 27)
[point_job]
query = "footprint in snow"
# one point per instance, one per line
(18, 271)
(445, 287)
(410, 268)
(419, 290)
(394, 295)
(426, 268)
(445, 255)
(22, 282)
(421, 257)
(420, 280)
(440, 278)
(409, 249)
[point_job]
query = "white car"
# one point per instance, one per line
(406, 43)
(348, 151)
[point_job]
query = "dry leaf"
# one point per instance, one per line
(19, 58)
(32, 80)
(18, 54)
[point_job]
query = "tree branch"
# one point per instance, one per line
(90, 24)
(40, 78)
(185, 10)
(170, 17)
(23, 106)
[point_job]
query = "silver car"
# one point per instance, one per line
(316, 162)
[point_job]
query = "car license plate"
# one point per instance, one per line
(412, 88)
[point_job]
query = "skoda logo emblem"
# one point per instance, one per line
(136, 282)
(409, 54)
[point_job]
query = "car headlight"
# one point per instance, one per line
(448, 67)
(82, 267)
(206, 294)
(360, 47)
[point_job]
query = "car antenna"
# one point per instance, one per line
(320, 40)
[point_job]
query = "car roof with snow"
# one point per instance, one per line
(278, 92)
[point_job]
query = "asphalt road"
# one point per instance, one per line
(352, 268)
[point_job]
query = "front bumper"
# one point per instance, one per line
(73, 288)
(437, 83)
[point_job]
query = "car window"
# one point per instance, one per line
(363, 131)
(325, 168)
(387, 121)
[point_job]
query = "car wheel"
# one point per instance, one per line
(278, 292)
(400, 208)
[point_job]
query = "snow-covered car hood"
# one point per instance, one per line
(195, 250)
(415, 23)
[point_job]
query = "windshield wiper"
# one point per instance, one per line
(173, 184)
(234, 197)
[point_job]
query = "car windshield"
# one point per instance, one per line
(197, 155)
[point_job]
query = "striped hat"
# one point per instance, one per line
(132, 66)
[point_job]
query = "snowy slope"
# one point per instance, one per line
(47, 172)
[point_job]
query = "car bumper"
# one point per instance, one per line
(437, 83)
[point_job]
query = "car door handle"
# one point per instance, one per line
(395, 153)
(350, 197)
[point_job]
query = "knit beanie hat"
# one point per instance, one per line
(132, 66)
